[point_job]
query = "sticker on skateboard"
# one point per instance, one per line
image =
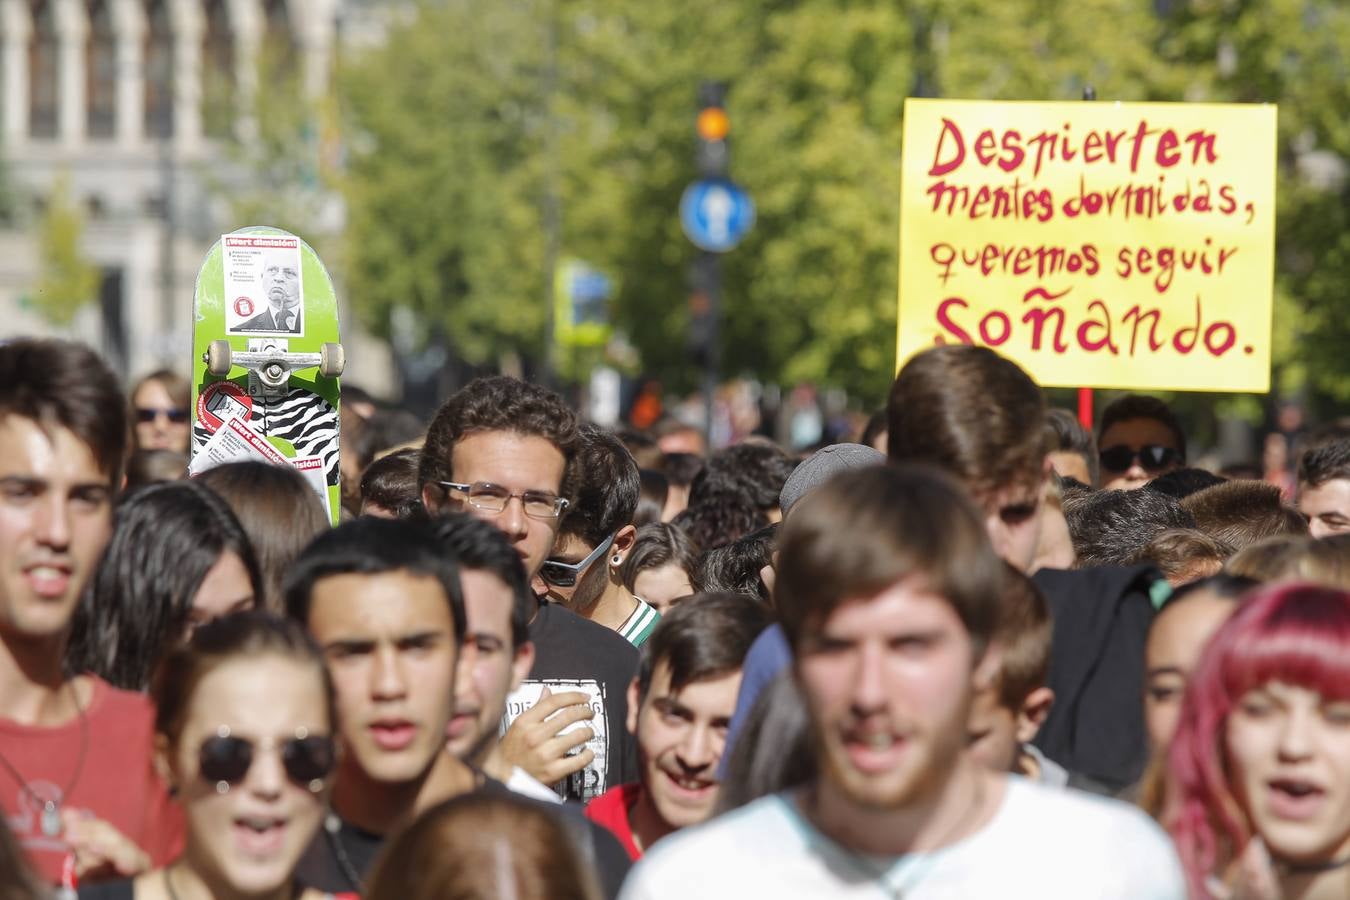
(263, 285)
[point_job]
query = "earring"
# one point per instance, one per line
(222, 787)
(617, 559)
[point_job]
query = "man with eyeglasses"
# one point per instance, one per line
(500, 449)
(1140, 439)
(597, 534)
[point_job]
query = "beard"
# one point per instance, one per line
(928, 757)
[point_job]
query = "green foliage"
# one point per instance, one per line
(1295, 53)
(490, 137)
(280, 170)
(67, 281)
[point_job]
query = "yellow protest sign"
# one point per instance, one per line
(1124, 245)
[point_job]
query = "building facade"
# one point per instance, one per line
(129, 104)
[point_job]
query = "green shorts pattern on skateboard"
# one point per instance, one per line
(266, 358)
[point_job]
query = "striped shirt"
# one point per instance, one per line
(639, 626)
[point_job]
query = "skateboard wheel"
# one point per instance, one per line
(332, 360)
(218, 361)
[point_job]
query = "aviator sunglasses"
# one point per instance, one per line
(307, 758)
(1152, 457)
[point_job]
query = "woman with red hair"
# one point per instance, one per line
(1260, 801)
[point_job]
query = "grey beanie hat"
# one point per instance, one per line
(823, 465)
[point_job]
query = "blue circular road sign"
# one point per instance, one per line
(716, 214)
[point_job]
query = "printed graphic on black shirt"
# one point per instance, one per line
(590, 782)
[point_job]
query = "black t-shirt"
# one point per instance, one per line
(122, 889)
(341, 855)
(572, 653)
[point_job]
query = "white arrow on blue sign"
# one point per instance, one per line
(716, 214)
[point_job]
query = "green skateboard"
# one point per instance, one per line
(266, 359)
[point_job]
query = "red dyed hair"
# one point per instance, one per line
(1296, 634)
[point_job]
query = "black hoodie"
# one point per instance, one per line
(1101, 619)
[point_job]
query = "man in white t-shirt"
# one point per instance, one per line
(887, 589)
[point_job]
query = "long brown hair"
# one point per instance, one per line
(279, 511)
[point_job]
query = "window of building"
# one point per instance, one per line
(42, 71)
(100, 54)
(279, 47)
(218, 83)
(158, 70)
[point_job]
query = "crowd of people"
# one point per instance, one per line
(982, 652)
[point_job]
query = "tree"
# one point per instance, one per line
(490, 138)
(280, 169)
(67, 281)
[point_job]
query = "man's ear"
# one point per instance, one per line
(624, 539)
(634, 700)
(432, 498)
(522, 664)
(1034, 711)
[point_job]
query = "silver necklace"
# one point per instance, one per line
(50, 820)
(332, 827)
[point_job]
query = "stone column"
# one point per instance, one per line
(72, 34)
(128, 18)
(189, 26)
(246, 19)
(315, 25)
(18, 29)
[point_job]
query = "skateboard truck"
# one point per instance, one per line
(270, 370)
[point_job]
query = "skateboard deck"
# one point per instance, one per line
(266, 359)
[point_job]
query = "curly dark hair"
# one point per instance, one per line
(725, 510)
(735, 493)
(496, 403)
(735, 567)
(761, 466)
(1114, 528)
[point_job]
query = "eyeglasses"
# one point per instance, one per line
(307, 758)
(561, 574)
(493, 498)
(145, 414)
(1153, 457)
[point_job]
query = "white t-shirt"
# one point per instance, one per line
(1042, 844)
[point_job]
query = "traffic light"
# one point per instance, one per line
(712, 127)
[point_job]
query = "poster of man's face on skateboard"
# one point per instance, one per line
(263, 285)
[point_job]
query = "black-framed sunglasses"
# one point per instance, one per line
(492, 498)
(1152, 457)
(561, 574)
(145, 414)
(225, 758)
